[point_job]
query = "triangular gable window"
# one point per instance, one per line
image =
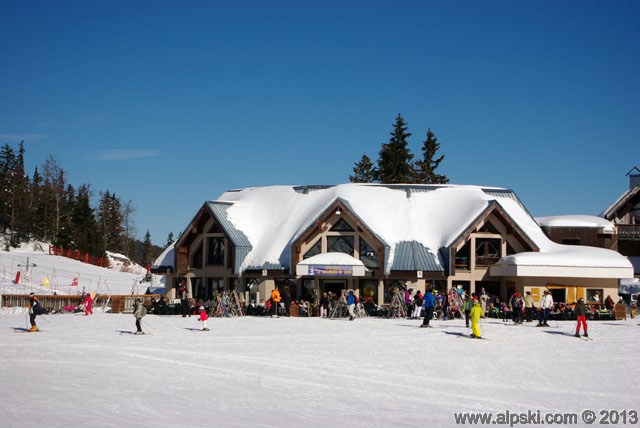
(342, 226)
(313, 251)
(215, 228)
(489, 228)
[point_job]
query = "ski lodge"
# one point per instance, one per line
(378, 238)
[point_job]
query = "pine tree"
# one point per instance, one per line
(425, 169)
(110, 222)
(20, 213)
(169, 240)
(86, 233)
(394, 161)
(364, 171)
(7, 170)
(38, 206)
(147, 249)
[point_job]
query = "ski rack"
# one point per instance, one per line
(397, 308)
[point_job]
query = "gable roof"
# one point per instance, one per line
(617, 210)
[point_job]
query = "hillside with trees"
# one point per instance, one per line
(46, 207)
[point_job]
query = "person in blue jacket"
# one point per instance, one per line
(351, 304)
(429, 302)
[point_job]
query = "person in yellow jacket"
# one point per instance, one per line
(275, 301)
(475, 315)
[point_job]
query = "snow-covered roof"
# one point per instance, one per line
(432, 215)
(612, 209)
(166, 258)
(576, 221)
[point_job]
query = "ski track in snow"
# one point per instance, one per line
(291, 372)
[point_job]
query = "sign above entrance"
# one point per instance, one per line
(331, 264)
(329, 270)
(319, 270)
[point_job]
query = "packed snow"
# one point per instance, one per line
(38, 268)
(91, 371)
(304, 372)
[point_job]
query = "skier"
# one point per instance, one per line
(429, 303)
(475, 315)
(528, 306)
(581, 316)
(546, 303)
(516, 306)
(351, 304)
(275, 301)
(88, 303)
(324, 305)
(184, 299)
(417, 304)
(34, 310)
(468, 305)
(203, 317)
(139, 311)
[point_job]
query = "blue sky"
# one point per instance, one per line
(170, 103)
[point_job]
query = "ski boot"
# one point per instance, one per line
(33, 329)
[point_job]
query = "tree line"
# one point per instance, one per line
(395, 163)
(45, 207)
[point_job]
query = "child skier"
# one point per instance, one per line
(34, 310)
(203, 317)
(581, 316)
(139, 311)
(475, 315)
(88, 303)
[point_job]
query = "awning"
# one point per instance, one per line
(331, 264)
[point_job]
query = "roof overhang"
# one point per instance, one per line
(331, 264)
(513, 270)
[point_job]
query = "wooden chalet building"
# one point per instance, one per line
(375, 238)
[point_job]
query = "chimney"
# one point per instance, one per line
(634, 177)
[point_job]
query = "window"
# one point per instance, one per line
(594, 295)
(341, 244)
(196, 259)
(462, 258)
(342, 226)
(369, 290)
(368, 255)
(571, 241)
(215, 228)
(391, 288)
(215, 251)
(489, 228)
(487, 251)
(313, 251)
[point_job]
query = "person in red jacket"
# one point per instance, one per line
(203, 317)
(88, 304)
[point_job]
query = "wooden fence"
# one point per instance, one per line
(118, 303)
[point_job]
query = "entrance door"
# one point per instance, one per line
(333, 286)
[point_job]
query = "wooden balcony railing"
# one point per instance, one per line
(629, 232)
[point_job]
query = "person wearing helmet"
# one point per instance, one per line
(203, 317)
